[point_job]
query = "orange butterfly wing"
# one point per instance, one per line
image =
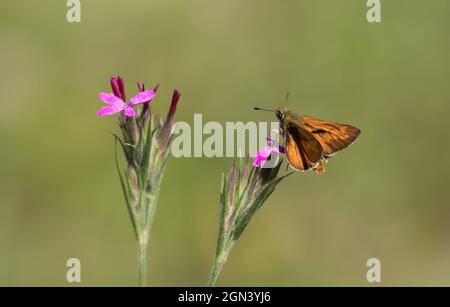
(303, 150)
(332, 136)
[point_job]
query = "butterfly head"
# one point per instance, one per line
(280, 113)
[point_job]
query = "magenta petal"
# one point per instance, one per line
(262, 155)
(128, 111)
(108, 98)
(108, 111)
(265, 152)
(115, 105)
(142, 97)
(257, 162)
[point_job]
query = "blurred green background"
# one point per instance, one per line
(386, 197)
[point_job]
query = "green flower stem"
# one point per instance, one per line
(142, 262)
(219, 262)
(215, 272)
(149, 202)
(216, 269)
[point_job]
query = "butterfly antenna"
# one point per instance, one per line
(287, 98)
(261, 109)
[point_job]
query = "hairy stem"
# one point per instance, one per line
(149, 203)
(215, 272)
(219, 261)
(142, 261)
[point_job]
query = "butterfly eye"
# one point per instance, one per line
(279, 115)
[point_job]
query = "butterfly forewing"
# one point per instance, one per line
(332, 136)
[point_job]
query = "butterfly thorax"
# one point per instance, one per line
(286, 117)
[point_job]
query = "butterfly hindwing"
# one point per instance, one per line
(303, 150)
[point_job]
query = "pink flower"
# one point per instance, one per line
(264, 154)
(116, 104)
